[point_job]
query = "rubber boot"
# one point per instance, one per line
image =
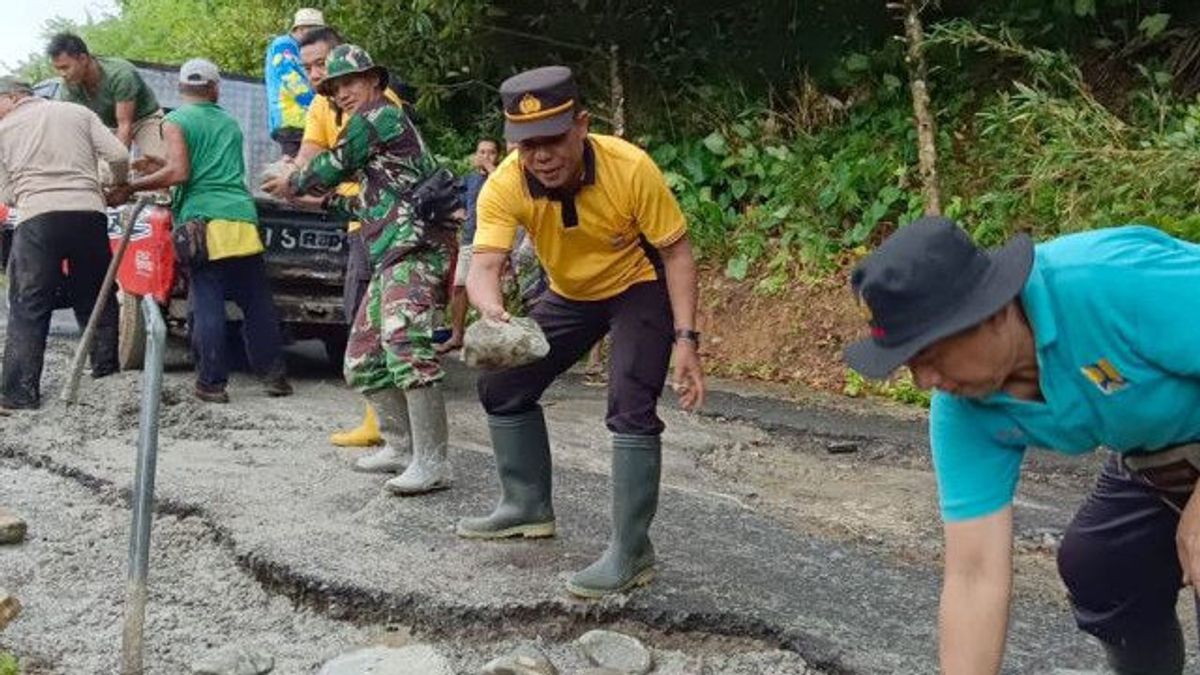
(629, 559)
(392, 408)
(362, 436)
(522, 451)
(1159, 654)
(430, 467)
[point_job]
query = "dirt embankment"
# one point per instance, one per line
(794, 337)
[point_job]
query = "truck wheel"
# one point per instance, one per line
(178, 353)
(131, 333)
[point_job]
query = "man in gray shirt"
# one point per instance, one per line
(49, 152)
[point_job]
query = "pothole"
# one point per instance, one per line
(204, 596)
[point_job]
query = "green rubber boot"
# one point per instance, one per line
(523, 461)
(628, 561)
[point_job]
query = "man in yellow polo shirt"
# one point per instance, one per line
(321, 130)
(614, 245)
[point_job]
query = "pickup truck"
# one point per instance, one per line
(306, 251)
(306, 262)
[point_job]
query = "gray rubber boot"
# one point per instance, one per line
(629, 559)
(1160, 655)
(392, 408)
(522, 451)
(430, 467)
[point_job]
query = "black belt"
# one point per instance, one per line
(1173, 470)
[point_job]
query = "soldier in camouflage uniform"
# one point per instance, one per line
(390, 357)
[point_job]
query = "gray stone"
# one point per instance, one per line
(235, 661)
(617, 652)
(12, 528)
(525, 660)
(411, 660)
(494, 344)
(10, 608)
(599, 671)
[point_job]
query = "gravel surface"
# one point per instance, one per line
(267, 540)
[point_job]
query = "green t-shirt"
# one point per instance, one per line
(216, 188)
(119, 81)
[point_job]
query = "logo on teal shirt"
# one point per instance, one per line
(1105, 375)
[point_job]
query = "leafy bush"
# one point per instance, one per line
(754, 196)
(1049, 159)
(899, 388)
(9, 664)
(1037, 154)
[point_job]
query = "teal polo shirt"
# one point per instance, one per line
(1116, 321)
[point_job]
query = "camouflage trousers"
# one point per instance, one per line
(391, 341)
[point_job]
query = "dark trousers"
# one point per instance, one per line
(1119, 561)
(642, 336)
(244, 281)
(358, 275)
(35, 277)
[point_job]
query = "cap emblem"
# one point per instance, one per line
(529, 105)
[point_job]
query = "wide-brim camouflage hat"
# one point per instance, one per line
(347, 60)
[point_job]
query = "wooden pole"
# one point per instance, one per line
(918, 74)
(617, 90)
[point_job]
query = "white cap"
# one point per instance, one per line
(307, 16)
(199, 71)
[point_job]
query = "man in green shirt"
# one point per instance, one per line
(113, 89)
(204, 164)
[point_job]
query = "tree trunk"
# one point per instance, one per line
(617, 90)
(918, 73)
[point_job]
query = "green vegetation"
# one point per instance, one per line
(900, 388)
(769, 191)
(9, 664)
(785, 128)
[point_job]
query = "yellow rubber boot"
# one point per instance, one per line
(364, 435)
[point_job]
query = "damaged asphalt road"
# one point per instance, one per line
(734, 560)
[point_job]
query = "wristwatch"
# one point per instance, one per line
(688, 334)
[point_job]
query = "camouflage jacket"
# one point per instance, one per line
(382, 149)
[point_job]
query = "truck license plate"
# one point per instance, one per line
(295, 238)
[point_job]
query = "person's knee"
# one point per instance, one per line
(633, 402)
(635, 423)
(1110, 600)
(1073, 560)
(501, 394)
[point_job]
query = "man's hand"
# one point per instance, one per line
(279, 186)
(147, 164)
(1187, 541)
(688, 380)
(483, 284)
(118, 195)
(494, 312)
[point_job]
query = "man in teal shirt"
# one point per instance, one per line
(1088, 340)
(113, 89)
(204, 164)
